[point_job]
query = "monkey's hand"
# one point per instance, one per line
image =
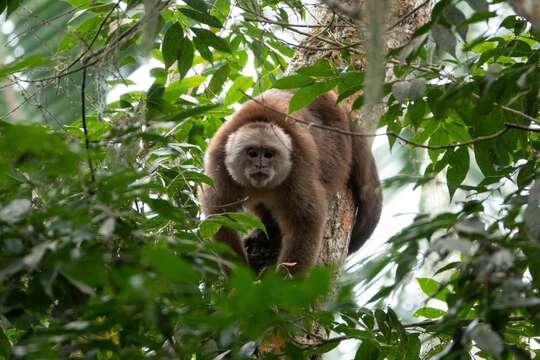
(302, 241)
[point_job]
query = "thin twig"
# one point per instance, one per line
(17, 107)
(85, 128)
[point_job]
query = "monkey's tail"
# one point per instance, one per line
(367, 192)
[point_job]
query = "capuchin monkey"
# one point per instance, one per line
(287, 172)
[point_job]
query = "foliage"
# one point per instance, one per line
(104, 253)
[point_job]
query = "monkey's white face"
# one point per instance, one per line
(258, 155)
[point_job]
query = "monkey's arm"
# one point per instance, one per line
(302, 225)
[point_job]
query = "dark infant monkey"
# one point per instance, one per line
(287, 172)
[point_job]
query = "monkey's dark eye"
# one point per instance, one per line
(268, 154)
(252, 153)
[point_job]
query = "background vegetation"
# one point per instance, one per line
(103, 253)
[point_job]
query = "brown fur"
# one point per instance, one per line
(322, 162)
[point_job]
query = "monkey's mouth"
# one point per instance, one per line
(259, 175)
(259, 178)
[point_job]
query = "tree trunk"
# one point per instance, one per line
(344, 23)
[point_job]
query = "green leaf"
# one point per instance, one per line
(449, 266)
(202, 17)
(197, 177)
(428, 286)
(208, 38)
(457, 169)
(444, 38)
(242, 222)
(308, 94)
(204, 50)
(248, 221)
(515, 23)
(349, 83)
(154, 100)
(168, 265)
(221, 9)
(197, 5)
(218, 80)
(187, 113)
(413, 347)
(368, 349)
(24, 63)
(478, 5)
(320, 68)
(171, 46)
(382, 322)
(383, 292)
(429, 312)
(454, 16)
(322, 349)
(79, 4)
(479, 17)
(396, 324)
(89, 270)
(418, 86)
(401, 90)
(5, 344)
(179, 87)
(185, 57)
(487, 339)
(292, 82)
(240, 85)
(209, 228)
(167, 210)
(439, 137)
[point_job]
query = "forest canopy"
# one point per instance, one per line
(106, 108)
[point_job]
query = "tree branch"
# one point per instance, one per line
(507, 127)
